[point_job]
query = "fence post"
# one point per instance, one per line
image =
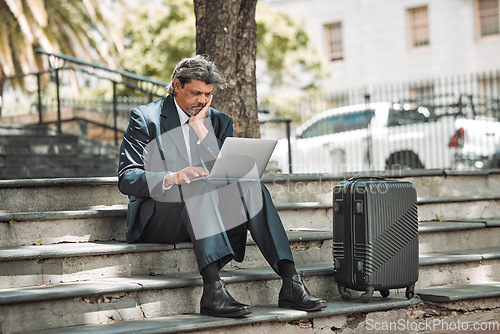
(289, 146)
(59, 129)
(1, 95)
(39, 90)
(369, 135)
(115, 113)
(473, 108)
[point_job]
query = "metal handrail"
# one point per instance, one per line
(125, 74)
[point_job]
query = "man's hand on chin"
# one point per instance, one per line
(196, 121)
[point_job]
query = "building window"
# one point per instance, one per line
(418, 25)
(489, 90)
(333, 34)
(338, 100)
(423, 94)
(488, 17)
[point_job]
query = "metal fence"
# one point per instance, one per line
(380, 136)
(16, 106)
(484, 87)
(447, 123)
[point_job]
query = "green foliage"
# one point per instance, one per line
(287, 104)
(284, 46)
(440, 218)
(156, 40)
(85, 29)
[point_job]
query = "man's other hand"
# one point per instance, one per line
(184, 175)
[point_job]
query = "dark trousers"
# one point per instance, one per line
(216, 221)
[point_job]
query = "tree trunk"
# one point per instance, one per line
(1, 91)
(226, 32)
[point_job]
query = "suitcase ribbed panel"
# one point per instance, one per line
(391, 255)
(407, 269)
(394, 239)
(338, 249)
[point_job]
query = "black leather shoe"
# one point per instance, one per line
(216, 301)
(295, 295)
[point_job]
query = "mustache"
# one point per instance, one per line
(191, 110)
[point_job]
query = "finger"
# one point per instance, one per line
(201, 171)
(207, 106)
(192, 174)
(203, 112)
(185, 177)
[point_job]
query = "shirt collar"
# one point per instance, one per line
(183, 118)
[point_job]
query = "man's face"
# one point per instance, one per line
(193, 96)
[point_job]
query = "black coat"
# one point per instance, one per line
(154, 135)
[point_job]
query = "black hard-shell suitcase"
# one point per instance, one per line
(375, 236)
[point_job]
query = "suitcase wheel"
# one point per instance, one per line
(365, 297)
(385, 293)
(410, 291)
(346, 295)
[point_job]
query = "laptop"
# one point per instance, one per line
(241, 159)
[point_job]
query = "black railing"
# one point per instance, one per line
(406, 134)
(470, 95)
(123, 75)
(119, 106)
(484, 87)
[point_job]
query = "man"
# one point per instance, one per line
(167, 145)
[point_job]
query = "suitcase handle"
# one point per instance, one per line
(366, 178)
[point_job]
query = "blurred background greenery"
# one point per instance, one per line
(149, 39)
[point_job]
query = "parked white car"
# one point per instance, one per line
(382, 136)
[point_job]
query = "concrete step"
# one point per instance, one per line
(459, 267)
(138, 297)
(100, 223)
(462, 207)
(464, 308)
(104, 223)
(65, 194)
(453, 235)
(291, 188)
(476, 311)
(67, 262)
(117, 299)
(454, 293)
(377, 316)
(84, 193)
(264, 319)
(70, 262)
(315, 215)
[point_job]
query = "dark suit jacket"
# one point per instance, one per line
(157, 125)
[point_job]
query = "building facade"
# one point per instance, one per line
(371, 43)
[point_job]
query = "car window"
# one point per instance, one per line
(321, 127)
(338, 123)
(357, 120)
(402, 117)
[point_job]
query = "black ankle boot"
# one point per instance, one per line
(295, 295)
(216, 301)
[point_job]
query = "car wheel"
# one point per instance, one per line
(404, 160)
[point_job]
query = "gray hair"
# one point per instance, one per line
(197, 68)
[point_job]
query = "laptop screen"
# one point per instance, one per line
(245, 158)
